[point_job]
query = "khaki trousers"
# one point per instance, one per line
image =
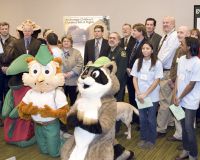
(164, 117)
(178, 131)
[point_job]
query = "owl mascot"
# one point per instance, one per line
(45, 102)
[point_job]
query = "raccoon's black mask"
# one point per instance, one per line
(94, 82)
(97, 74)
(98, 81)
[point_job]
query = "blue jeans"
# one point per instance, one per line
(148, 123)
(188, 132)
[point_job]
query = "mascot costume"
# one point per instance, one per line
(17, 131)
(94, 114)
(45, 102)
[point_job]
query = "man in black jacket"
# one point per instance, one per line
(127, 42)
(152, 36)
(118, 55)
(27, 44)
(96, 47)
(6, 44)
(139, 33)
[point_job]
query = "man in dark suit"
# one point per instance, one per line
(152, 37)
(127, 42)
(96, 47)
(139, 33)
(118, 55)
(27, 44)
(6, 48)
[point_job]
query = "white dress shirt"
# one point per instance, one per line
(168, 49)
(57, 52)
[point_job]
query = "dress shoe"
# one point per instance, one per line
(192, 158)
(183, 155)
(172, 139)
(161, 135)
(149, 145)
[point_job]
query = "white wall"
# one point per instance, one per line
(49, 13)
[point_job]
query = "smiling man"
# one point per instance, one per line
(96, 47)
(118, 55)
(6, 48)
(166, 51)
(152, 36)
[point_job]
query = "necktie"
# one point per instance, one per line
(125, 42)
(162, 43)
(97, 49)
(133, 51)
(136, 45)
(27, 42)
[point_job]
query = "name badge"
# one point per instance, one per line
(181, 77)
(143, 77)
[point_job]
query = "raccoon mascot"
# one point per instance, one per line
(94, 114)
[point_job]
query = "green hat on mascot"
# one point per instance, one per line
(19, 65)
(43, 55)
(16, 69)
(100, 62)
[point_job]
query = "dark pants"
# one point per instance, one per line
(71, 91)
(188, 132)
(148, 123)
(3, 88)
(131, 95)
(120, 98)
(120, 94)
(198, 113)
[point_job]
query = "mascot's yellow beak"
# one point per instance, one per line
(40, 78)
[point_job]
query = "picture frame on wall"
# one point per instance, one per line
(197, 16)
(81, 28)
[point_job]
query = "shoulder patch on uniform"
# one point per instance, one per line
(123, 54)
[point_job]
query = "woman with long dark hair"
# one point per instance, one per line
(147, 72)
(187, 95)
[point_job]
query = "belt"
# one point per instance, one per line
(166, 69)
(45, 123)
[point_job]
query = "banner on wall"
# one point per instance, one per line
(81, 28)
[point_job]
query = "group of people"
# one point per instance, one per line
(162, 68)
